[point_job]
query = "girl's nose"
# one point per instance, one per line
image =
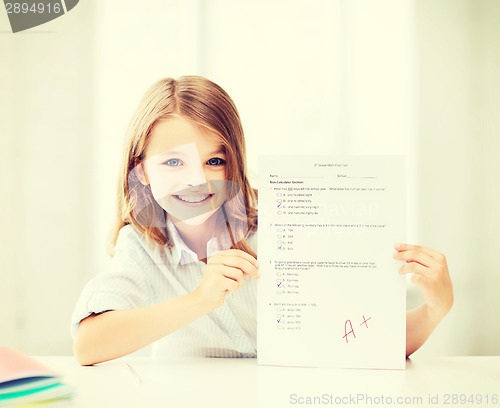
(195, 176)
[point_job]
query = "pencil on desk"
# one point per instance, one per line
(135, 374)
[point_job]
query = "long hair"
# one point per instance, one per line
(210, 107)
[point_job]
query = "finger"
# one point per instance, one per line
(242, 263)
(419, 280)
(429, 251)
(414, 267)
(425, 283)
(230, 285)
(234, 274)
(413, 255)
(242, 254)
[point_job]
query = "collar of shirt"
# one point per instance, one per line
(182, 254)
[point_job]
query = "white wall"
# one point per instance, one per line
(458, 149)
(46, 129)
(414, 77)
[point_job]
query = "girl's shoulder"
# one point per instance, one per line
(133, 247)
(128, 233)
(131, 240)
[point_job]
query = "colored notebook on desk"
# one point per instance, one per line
(24, 380)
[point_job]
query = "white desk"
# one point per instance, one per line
(242, 383)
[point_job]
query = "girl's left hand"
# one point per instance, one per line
(430, 273)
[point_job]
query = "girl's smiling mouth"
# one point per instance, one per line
(193, 199)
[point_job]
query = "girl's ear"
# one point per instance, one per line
(141, 173)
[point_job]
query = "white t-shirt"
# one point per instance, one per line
(144, 274)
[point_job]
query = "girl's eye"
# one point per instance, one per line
(216, 161)
(173, 162)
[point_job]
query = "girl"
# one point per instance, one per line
(184, 265)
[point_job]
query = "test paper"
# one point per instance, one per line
(330, 293)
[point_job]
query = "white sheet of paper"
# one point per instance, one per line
(330, 292)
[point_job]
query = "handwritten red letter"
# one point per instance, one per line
(346, 335)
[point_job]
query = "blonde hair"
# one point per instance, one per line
(210, 107)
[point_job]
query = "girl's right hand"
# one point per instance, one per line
(225, 273)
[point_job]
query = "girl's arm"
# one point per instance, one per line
(430, 273)
(116, 333)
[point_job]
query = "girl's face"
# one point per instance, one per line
(186, 169)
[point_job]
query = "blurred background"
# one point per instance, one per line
(413, 77)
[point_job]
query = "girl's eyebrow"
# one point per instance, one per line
(180, 153)
(220, 150)
(170, 153)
